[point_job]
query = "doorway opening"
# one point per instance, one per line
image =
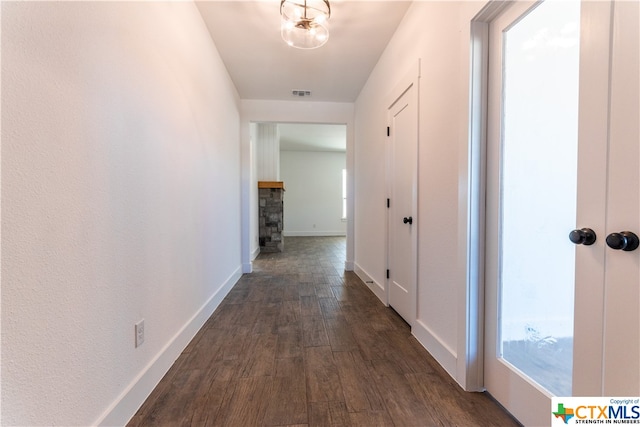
(310, 160)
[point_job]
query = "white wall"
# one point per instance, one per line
(121, 201)
(438, 33)
(313, 196)
(264, 111)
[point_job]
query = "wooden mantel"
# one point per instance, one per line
(271, 184)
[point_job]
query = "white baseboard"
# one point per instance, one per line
(255, 253)
(247, 267)
(349, 265)
(313, 233)
(126, 405)
(375, 287)
(440, 351)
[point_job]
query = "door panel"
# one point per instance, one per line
(531, 194)
(622, 290)
(606, 330)
(607, 289)
(403, 152)
(592, 195)
(538, 193)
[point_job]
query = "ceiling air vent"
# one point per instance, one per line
(301, 92)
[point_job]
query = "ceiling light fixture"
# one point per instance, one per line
(304, 22)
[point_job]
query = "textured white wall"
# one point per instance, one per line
(313, 196)
(436, 32)
(121, 201)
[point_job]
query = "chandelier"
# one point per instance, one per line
(304, 22)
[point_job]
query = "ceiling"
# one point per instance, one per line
(262, 66)
(312, 137)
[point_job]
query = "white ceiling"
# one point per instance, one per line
(262, 66)
(312, 137)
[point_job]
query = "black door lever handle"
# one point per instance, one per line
(407, 220)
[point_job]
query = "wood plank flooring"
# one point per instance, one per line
(301, 342)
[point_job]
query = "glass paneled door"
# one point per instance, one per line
(538, 193)
(532, 152)
(562, 169)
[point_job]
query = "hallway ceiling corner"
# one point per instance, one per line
(262, 66)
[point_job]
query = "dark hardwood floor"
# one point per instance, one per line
(300, 342)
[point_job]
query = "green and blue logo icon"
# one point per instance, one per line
(564, 413)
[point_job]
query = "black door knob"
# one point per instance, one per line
(407, 220)
(584, 236)
(624, 240)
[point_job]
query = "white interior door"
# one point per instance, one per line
(558, 161)
(621, 346)
(402, 227)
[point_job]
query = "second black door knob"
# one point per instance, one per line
(624, 240)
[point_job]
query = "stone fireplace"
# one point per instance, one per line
(271, 216)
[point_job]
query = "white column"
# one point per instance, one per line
(268, 152)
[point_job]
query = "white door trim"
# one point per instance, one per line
(471, 366)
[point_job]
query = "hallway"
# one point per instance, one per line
(300, 342)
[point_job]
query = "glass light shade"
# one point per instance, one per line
(308, 10)
(304, 34)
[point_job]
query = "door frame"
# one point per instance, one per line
(410, 79)
(475, 218)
